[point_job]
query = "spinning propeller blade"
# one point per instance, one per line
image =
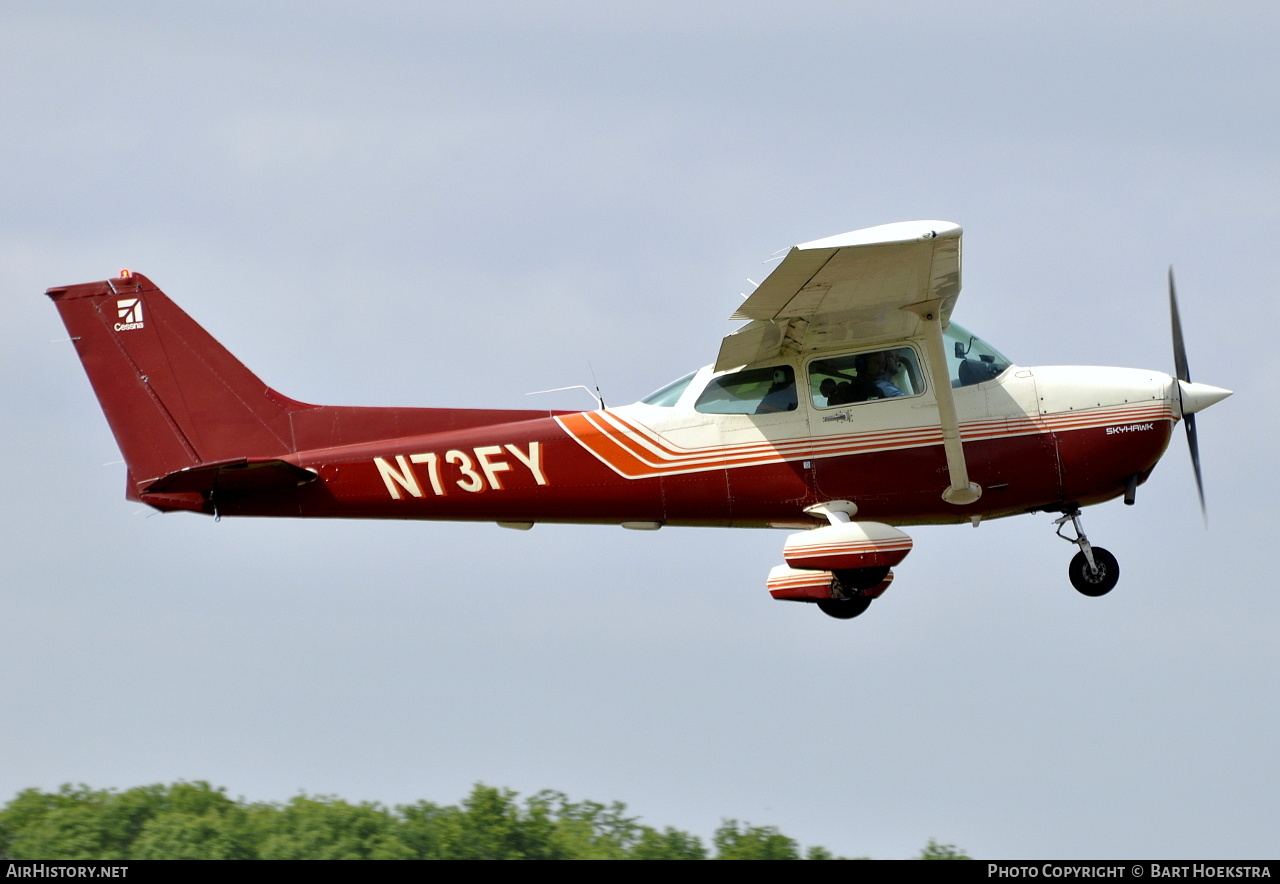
(1184, 377)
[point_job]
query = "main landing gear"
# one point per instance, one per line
(844, 609)
(849, 588)
(1093, 570)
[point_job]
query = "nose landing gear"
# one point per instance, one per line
(1094, 571)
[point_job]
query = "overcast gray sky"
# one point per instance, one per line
(445, 204)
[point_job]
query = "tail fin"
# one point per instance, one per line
(175, 398)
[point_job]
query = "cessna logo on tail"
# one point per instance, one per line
(130, 312)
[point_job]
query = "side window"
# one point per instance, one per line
(670, 394)
(754, 391)
(862, 377)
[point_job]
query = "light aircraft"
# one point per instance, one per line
(848, 406)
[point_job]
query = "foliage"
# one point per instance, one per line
(934, 850)
(198, 821)
(752, 842)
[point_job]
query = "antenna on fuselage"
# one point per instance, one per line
(597, 395)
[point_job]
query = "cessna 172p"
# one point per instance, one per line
(848, 405)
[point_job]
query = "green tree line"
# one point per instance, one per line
(198, 821)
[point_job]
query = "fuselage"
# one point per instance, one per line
(1035, 439)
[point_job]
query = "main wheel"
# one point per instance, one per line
(1094, 582)
(844, 609)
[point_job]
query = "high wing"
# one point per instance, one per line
(848, 288)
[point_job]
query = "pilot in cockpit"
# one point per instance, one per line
(781, 395)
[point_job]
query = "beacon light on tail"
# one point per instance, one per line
(848, 406)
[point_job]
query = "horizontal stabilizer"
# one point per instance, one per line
(236, 478)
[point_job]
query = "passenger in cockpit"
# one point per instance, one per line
(882, 366)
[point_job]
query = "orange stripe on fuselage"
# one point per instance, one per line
(635, 451)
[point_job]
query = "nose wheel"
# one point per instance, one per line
(1097, 579)
(1094, 571)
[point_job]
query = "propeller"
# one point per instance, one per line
(1191, 397)
(1184, 374)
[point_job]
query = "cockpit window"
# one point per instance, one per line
(971, 360)
(754, 391)
(670, 394)
(862, 377)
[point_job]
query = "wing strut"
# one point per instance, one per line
(961, 490)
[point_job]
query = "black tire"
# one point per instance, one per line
(1093, 583)
(844, 609)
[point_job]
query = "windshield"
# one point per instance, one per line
(971, 360)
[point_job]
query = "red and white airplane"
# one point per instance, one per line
(848, 405)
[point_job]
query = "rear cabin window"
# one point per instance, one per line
(754, 391)
(670, 394)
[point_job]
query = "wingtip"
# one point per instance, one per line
(884, 234)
